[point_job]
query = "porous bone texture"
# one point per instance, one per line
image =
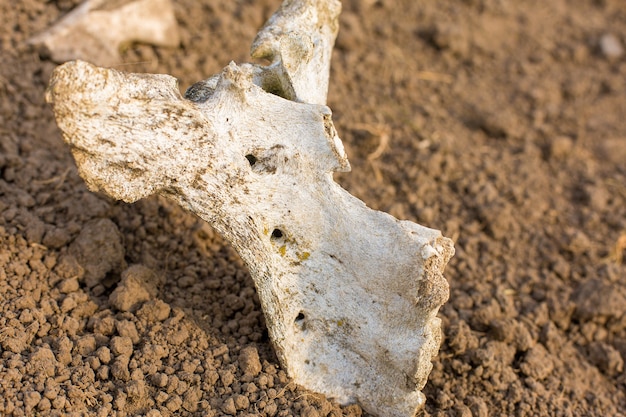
(350, 294)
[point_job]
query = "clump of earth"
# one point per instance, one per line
(501, 123)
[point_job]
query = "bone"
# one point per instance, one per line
(350, 295)
(95, 30)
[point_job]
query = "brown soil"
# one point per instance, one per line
(506, 128)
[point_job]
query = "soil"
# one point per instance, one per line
(502, 123)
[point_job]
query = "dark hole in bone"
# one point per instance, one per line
(299, 318)
(276, 90)
(199, 92)
(251, 159)
(277, 233)
(273, 85)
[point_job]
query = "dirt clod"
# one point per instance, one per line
(249, 361)
(98, 249)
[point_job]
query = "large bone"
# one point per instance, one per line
(350, 294)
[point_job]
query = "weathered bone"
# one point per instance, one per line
(95, 30)
(350, 294)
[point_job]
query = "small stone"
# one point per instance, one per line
(611, 46)
(70, 325)
(152, 352)
(249, 361)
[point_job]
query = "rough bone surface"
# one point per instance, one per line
(95, 30)
(350, 294)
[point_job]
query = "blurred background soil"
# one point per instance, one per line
(502, 123)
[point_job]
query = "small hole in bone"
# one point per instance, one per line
(251, 159)
(299, 318)
(277, 234)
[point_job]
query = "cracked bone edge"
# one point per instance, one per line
(96, 29)
(350, 294)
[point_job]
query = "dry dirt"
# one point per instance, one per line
(500, 122)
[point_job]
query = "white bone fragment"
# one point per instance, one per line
(350, 294)
(95, 30)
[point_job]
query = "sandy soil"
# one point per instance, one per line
(506, 128)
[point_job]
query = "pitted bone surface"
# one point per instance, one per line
(350, 294)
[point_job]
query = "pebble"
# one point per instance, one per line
(611, 46)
